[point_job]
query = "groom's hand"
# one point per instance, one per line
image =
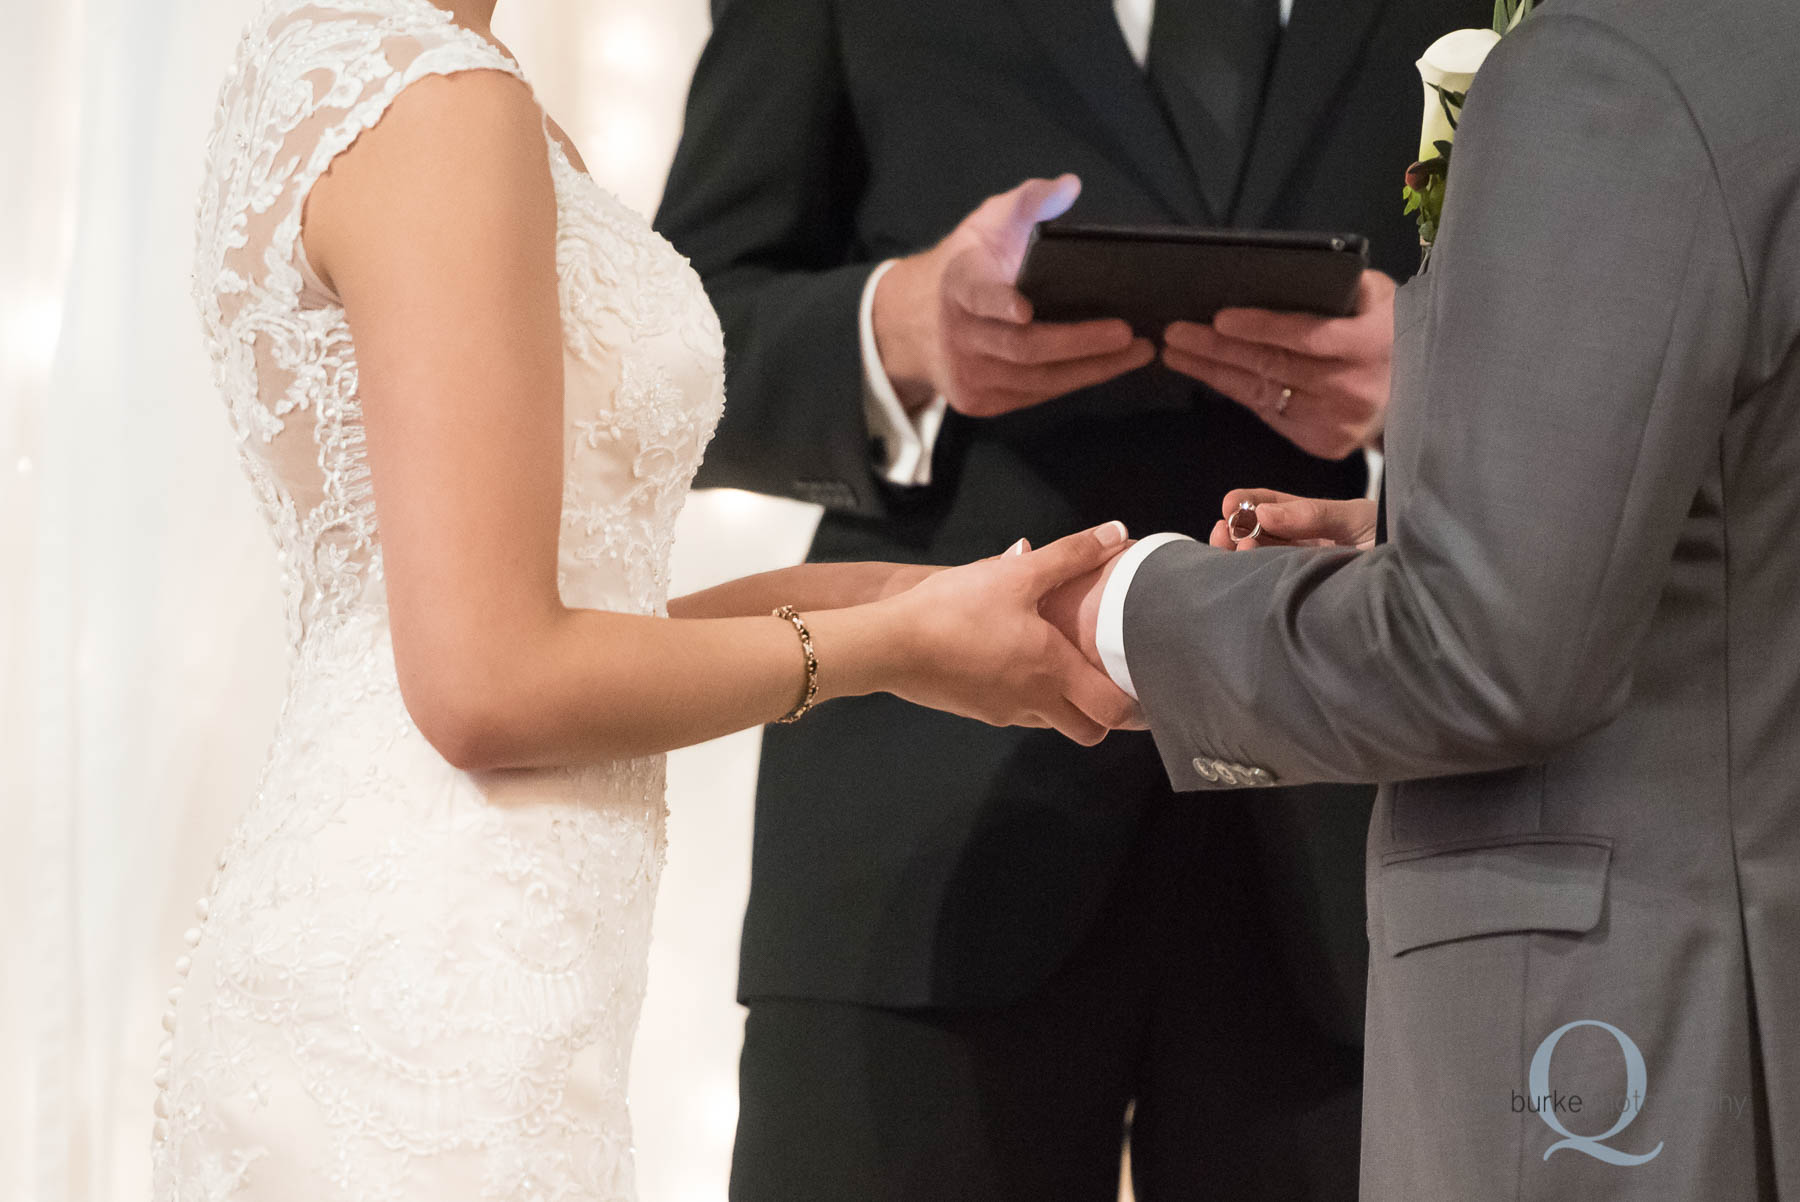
(1290, 521)
(1074, 609)
(1319, 382)
(949, 322)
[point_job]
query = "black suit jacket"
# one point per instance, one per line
(903, 857)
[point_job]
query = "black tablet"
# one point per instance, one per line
(1151, 275)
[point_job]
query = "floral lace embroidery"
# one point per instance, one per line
(409, 982)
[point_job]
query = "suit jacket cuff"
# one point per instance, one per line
(1109, 632)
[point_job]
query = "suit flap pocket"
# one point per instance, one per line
(1520, 883)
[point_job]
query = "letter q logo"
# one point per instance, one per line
(1636, 1085)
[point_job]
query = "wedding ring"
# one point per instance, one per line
(1244, 512)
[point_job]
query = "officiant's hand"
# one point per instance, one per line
(1319, 382)
(949, 322)
(972, 641)
(1289, 521)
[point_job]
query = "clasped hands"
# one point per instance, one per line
(1013, 640)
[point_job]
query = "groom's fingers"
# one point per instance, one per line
(1222, 537)
(1093, 692)
(1237, 497)
(1337, 523)
(1298, 519)
(1073, 724)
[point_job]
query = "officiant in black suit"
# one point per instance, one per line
(973, 956)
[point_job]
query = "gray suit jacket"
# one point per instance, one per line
(1577, 659)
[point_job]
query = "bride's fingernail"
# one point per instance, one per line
(1019, 548)
(1112, 534)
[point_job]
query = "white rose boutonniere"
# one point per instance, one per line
(1447, 71)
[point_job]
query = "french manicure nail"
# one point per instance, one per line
(1112, 534)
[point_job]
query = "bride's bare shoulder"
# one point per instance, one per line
(450, 151)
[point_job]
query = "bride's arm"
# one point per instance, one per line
(437, 229)
(804, 586)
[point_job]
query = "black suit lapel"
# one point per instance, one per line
(1209, 62)
(1110, 95)
(1324, 42)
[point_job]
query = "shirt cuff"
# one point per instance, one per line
(1376, 461)
(904, 441)
(1109, 630)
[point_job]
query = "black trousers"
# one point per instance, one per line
(1182, 1009)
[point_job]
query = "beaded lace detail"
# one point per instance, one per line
(410, 982)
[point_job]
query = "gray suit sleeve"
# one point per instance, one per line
(1563, 391)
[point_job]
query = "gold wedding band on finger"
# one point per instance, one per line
(1244, 513)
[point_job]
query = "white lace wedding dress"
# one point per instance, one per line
(409, 982)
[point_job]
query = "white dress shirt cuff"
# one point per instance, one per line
(904, 441)
(1109, 631)
(1376, 461)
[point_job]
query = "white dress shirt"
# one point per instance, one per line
(904, 442)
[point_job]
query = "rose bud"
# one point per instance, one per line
(1416, 177)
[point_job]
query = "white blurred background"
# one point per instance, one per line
(141, 650)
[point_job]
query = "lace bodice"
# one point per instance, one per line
(643, 350)
(406, 981)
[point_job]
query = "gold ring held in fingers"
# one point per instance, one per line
(1244, 515)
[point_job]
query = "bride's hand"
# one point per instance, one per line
(895, 578)
(1289, 521)
(976, 645)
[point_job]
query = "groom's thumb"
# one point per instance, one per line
(1067, 558)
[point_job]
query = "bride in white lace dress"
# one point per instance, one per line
(470, 390)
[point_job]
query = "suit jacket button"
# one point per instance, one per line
(1205, 769)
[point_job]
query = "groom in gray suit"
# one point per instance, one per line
(1577, 658)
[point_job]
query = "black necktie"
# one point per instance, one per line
(1208, 63)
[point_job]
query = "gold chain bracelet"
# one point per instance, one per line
(786, 613)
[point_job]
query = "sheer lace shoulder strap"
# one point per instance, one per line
(311, 76)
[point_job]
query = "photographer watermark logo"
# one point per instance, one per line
(1549, 1105)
